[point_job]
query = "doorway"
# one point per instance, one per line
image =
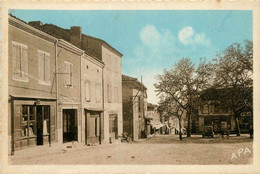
(70, 128)
(43, 124)
(113, 128)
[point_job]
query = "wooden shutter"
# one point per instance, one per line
(24, 65)
(66, 74)
(71, 73)
(52, 119)
(102, 126)
(87, 91)
(47, 68)
(41, 67)
(98, 133)
(16, 61)
(17, 120)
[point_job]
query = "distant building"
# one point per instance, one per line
(134, 107)
(212, 113)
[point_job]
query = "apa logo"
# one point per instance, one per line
(239, 152)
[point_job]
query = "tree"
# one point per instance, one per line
(183, 82)
(234, 70)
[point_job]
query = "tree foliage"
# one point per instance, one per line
(184, 81)
(234, 71)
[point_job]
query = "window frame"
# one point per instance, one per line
(45, 82)
(20, 46)
(70, 74)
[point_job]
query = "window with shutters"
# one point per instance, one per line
(20, 62)
(87, 91)
(109, 61)
(115, 94)
(109, 93)
(98, 92)
(68, 74)
(44, 69)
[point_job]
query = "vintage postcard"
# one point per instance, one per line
(130, 87)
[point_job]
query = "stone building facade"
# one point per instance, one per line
(64, 86)
(134, 107)
(32, 87)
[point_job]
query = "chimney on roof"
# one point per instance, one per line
(75, 35)
(35, 23)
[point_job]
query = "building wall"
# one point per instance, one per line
(32, 87)
(68, 96)
(92, 92)
(138, 113)
(33, 43)
(127, 108)
(112, 90)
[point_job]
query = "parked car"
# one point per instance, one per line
(208, 131)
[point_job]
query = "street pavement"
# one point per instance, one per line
(159, 149)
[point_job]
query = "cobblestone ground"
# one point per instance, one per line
(160, 149)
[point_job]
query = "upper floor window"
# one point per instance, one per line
(98, 92)
(68, 74)
(109, 93)
(44, 67)
(87, 91)
(108, 62)
(20, 61)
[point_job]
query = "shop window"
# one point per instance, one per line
(67, 74)
(20, 62)
(44, 67)
(28, 124)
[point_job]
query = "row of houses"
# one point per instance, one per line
(65, 86)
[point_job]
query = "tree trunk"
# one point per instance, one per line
(180, 132)
(238, 127)
(189, 128)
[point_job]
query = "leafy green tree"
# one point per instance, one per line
(184, 81)
(234, 71)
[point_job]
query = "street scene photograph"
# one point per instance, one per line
(130, 87)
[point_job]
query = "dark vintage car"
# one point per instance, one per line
(208, 131)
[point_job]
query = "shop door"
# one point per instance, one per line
(70, 129)
(43, 126)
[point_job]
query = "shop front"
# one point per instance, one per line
(32, 122)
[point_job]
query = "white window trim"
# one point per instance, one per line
(44, 82)
(25, 46)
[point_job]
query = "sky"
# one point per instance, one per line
(154, 40)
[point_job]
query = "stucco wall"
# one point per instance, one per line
(113, 78)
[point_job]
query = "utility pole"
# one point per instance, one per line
(143, 99)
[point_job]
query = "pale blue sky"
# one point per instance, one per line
(153, 40)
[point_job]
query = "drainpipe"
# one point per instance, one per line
(56, 79)
(80, 95)
(12, 125)
(103, 104)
